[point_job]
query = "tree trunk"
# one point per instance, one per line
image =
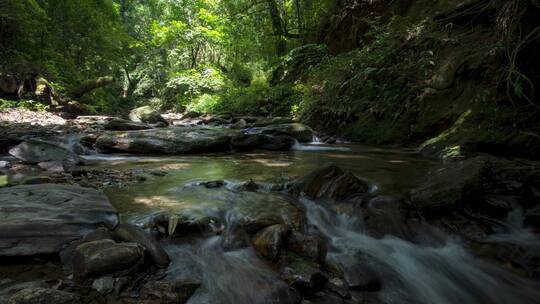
(278, 27)
(91, 85)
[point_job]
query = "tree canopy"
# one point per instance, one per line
(172, 53)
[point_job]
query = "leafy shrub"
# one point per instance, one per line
(385, 73)
(241, 74)
(23, 104)
(205, 103)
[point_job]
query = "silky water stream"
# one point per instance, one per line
(435, 270)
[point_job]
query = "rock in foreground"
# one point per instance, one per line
(41, 219)
(105, 256)
(42, 296)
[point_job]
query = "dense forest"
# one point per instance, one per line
(269, 151)
(421, 68)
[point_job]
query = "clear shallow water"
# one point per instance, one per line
(439, 271)
(391, 171)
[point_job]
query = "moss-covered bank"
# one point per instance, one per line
(453, 78)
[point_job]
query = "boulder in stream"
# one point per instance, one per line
(168, 291)
(191, 115)
(485, 184)
(450, 186)
(329, 182)
(312, 247)
(35, 151)
(129, 233)
(299, 131)
(97, 258)
(125, 125)
(43, 296)
(42, 218)
(269, 241)
(248, 142)
(167, 141)
(146, 115)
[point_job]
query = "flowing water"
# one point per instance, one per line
(437, 270)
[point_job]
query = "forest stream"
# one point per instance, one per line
(436, 268)
(269, 152)
(215, 194)
(257, 216)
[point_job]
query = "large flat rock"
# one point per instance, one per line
(41, 219)
(168, 141)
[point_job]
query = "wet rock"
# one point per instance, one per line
(100, 233)
(248, 119)
(264, 122)
(329, 182)
(324, 298)
(9, 287)
(97, 258)
(309, 246)
(41, 219)
(240, 124)
(304, 276)
(43, 296)
(103, 285)
(362, 278)
(339, 287)
(249, 186)
(213, 184)
(248, 142)
(66, 255)
(277, 143)
(256, 211)
(124, 125)
(532, 217)
(168, 292)
(483, 184)
(129, 233)
(89, 139)
(383, 215)
(52, 166)
(215, 120)
(36, 151)
(183, 224)
(35, 180)
(146, 115)
(330, 140)
(300, 132)
(167, 141)
(451, 186)
(269, 241)
(190, 115)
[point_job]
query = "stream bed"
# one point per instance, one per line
(434, 268)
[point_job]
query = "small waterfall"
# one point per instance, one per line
(318, 147)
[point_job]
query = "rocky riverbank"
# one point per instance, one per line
(292, 241)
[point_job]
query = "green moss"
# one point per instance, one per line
(3, 180)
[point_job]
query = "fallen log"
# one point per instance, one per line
(91, 85)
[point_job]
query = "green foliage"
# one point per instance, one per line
(259, 98)
(172, 53)
(205, 103)
(385, 72)
(23, 104)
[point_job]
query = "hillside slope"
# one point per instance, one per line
(452, 77)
